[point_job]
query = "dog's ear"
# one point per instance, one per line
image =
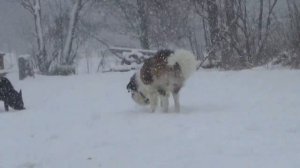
(20, 92)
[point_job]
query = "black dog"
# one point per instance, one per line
(10, 96)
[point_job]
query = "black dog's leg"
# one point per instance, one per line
(6, 106)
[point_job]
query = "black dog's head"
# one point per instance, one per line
(16, 100)
(136, 92)
(9, 95)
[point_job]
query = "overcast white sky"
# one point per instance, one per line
(13, 21)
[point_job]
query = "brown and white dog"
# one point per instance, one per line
(160, 75)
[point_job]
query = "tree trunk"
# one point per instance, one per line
(213, 20)
(226, 48)
(66, 55)
(232, 37)
(144, 24)
(294, 14)
(42, 54)
(260, 20)
(212, 11)
(34, 7)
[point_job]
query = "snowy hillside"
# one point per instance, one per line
(228, 119)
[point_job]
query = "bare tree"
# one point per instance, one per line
(232, 34)
(248, 41)
(56, 42)
(134, 16)
(209, 11)
(34, 7)
(155, 24)
(67, 56)
(294, 31)
(213, 14)
(143, 23)
(260, 19)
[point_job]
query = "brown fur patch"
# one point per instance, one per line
(155, 66)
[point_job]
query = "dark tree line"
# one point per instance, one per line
(233, 34)
(229, 34)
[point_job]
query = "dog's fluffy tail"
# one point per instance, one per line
(186, 60)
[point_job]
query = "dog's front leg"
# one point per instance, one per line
(153, 101)
(165, 103)
(164, 97)
(176, 101)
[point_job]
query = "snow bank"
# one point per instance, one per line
(228, 119)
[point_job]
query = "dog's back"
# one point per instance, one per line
(9, 95)
(168, 67)
(154, 67)
(161, 75)
(5, 88)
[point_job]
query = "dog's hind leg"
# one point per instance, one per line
(176, 101)
(165, 103)
(175, 95)
(153, 101)
(164, 97)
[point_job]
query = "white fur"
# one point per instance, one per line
(168, 81)
(186, 60)
(141, 88)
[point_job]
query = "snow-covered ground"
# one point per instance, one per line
(229, 119)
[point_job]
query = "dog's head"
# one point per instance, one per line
(16, 101)
(137, 93)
